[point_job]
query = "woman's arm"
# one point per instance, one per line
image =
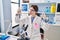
(44, 25)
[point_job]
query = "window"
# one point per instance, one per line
(14, 6)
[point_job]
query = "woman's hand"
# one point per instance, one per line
(44, 16)
(18, 11)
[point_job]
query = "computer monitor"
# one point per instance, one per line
(58, 7)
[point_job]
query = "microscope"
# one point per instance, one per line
(23, 33)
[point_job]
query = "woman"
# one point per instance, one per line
(33, 21)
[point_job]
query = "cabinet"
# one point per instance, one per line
(48, 7)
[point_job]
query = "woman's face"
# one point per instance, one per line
(32, 11)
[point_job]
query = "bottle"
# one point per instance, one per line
(53, 8)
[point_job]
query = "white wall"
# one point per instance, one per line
(5, 14)
(1, 16)
(36, 1)
(41, 1)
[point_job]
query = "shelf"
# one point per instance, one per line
(58, 14)
(51, 14)
(55, 25)
(46, 13)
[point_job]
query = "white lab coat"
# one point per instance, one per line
(33, 29)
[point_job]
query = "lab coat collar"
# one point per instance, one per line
(34, 18)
